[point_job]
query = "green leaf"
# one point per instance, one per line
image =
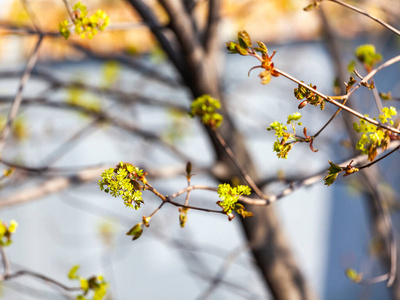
(309, 7)
(244, 39)
(386, 96)
(330, 178)
(136, 231)
(241, 50)
(334, 168)
(333, 172)
(367, 54)
(353, 275)
(73, 273)
(261, 48)
(351, 66)
(231, 46)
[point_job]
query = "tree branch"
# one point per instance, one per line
(150, 19)
(18, 98)
(386, 25)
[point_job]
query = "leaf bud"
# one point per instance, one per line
(188, 168)
(146, 221)
(302, 104)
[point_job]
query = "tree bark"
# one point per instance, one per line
(194, 57)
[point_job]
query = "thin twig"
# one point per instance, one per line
(6, 263)
(308, 181)
(42, 277)
(18, 98)
(391, 28)
(35, 22)
(69, 9)
(365, 79)
(238, 165)
(377, 99)
(188, 193)
(329, 121)
(375, 161)
(346, 108)
(217, 279)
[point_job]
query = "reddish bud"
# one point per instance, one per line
(302, 104)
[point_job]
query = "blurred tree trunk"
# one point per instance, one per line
(194, 55)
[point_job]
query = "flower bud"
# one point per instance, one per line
(230, 216)
(302, 104)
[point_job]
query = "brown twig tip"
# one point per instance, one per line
(311, 145)
(255, 67)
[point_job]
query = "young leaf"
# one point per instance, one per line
(367, 55)
(73, 273)
(136, 231)
(353, 275)
(333, 172)
(244, 39)
(330, 178)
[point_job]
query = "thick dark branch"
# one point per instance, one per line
(152, 22)
(210, 37)
(181, 25)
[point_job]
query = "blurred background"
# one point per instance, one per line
(124, 73)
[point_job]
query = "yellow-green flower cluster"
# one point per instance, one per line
(373, 136)
(205, 107)
(85, 25)
(6, 232)
(284, 140)
(124, 181)
(96, 284)
(229, 197)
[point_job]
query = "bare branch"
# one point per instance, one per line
(210, 36)
(151, 20)
(360, 159)
(50, 186)
(239, 166)
(42, 277)
(386, 25)
(344, 107)
(18, 98)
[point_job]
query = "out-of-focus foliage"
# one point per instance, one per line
(6, 232)
(277, 20)
(94, 286)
